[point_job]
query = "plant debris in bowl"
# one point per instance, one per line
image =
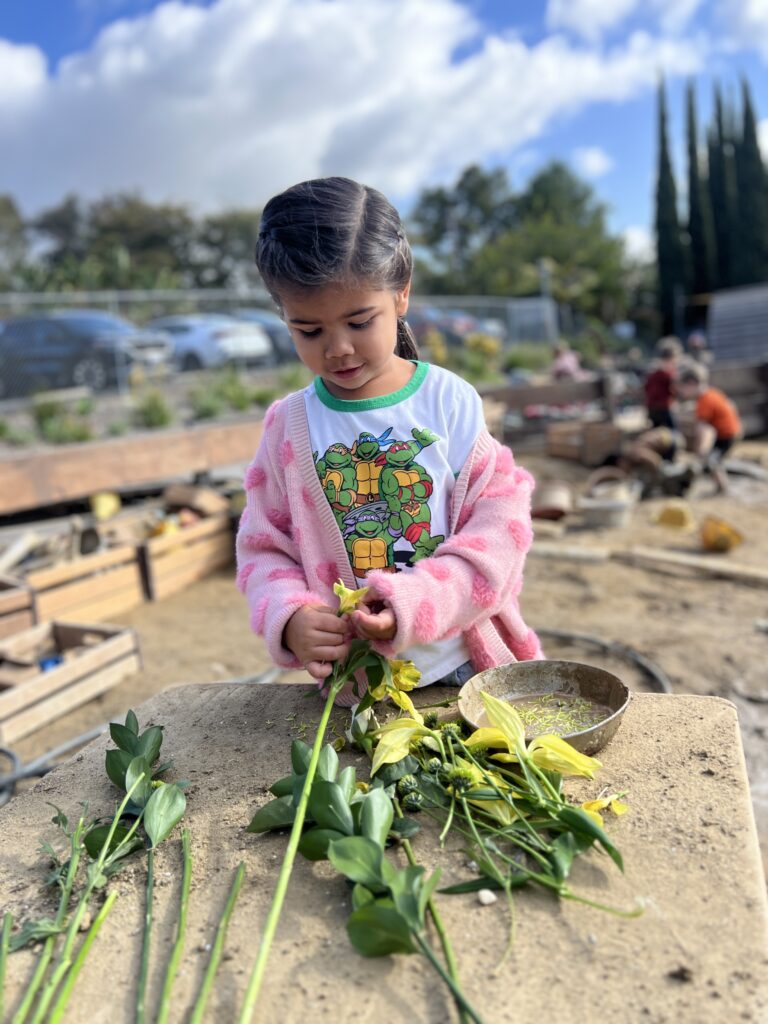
(581, 703)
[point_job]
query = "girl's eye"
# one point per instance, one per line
(309, 334)
(361, 326)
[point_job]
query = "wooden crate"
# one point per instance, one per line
(16, 612)
(93, 659)
(588, 442)
(173, 561)
(94, 588)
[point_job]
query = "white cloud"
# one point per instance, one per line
(638, 243)
(745, 23)
(225, 104)
(592, 19)
(592, 161)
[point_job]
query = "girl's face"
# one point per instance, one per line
(347, 336)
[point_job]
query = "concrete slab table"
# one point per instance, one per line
(697, 955)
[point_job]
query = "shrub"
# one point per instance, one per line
(528, 356)
(232, 390)
(206, 403)
(66, 429)
(152, 411)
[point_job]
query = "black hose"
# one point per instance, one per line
(659, 680)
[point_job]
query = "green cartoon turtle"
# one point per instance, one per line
(338, 479)
(370, 533)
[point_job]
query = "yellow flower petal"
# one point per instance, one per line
(618, 807)
(555, 754)
(499, 810)
(595, 805)
(348, 599)
(404, 702)
(505, 718)
(487, 738)
(597, 818)
(506, 758)
(405, 675)
(391, 748)
(379, 692)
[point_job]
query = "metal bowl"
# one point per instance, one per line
(534, 678)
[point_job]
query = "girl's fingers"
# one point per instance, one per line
(319, 669)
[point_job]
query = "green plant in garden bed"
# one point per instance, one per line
(152, 411)
(205, 403)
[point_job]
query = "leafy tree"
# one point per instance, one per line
(700, 226)
(752, 256)
(224, 251)
(722, 191)
(13, 243)
(669, 246)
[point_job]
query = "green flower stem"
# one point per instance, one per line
(458, 995)
(557, 797)
(63, 998)
(218, 947)
(448, 822)
(76, 847)
(141, 986)
(173, 963)
(254, 984)
(567, 894)
(94, 874)
(5, 940)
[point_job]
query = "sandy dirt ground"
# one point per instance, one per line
(707, 635)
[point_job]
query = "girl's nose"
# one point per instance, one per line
(339, 344)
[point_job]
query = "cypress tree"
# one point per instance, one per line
(752, 198)
(700, 227)
(722, 191)
(669, 247)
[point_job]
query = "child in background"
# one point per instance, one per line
(659, 387)
(381, 472)
(718, 423)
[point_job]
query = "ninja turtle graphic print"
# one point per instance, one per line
(388, 465)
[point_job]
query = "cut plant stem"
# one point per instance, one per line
(458, 995)
(5, 940)
(141, 986)
(178, 948)
(63, 998)
(218, 947)
(257, 975)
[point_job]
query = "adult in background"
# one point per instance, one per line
(565, 365)
(659, 386)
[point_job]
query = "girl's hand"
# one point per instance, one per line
(318, 637)
(374, 619)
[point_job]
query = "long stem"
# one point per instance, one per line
(141, 987)
(218, 946)
(45, 957)
(63, 998)
(173, 964)
(254, 984)
(458, 995)
(5, 941)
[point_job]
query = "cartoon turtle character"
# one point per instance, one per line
(406, 487)
(338, 480)
(370, 533)
(368, 462)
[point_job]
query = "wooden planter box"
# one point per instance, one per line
(586, 442)
(93, 588)
(173, 561)
(16, 612)
(92, 659)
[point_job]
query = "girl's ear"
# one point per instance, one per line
(401, 300)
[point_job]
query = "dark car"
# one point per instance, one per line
(279, 335)
(85, 348)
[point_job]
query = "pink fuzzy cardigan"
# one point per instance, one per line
(290, 550)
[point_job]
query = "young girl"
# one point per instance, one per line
(381, 472)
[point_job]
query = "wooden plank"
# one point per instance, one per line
(167, 585)
(42, 579)
(189, 534)
(711, 565)
(46, 683)
(562, 393)
(13, 596)
(16, 646)
(172, 560)
(79, 693)
(77, 471)
(56, 602)
(105, 609)
(15, 623)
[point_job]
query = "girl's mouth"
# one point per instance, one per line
(346, 374)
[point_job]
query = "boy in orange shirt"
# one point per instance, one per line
(718, 423)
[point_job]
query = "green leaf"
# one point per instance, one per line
(347, 780)
(117, 762)
(472, 885)
(405, 886)
(35, 931)
(376, 930)
(404, 828)
(142, 793)
(150, 743)
(300, 757)
(59, 817)
(95, 839)
(283, 787)
(580, 822)
(428, 886)
(390, 773)
(124, 738)
(434, 794)
(361, 896)
(359, 859)
(277, 813)
(164, 810)
(164, 768)
(564, 849)
(328, 764)
(132, 723)
(314, 844)
(376, 816)
(329, 808)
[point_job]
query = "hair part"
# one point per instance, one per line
(332, 231)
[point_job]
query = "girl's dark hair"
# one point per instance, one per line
(334, 230)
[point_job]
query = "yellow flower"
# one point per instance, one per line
(379, 692)
(405, 675)
(612, 801)
(405, 703)
(395, 742)
(555, 754)
(504, 717)
(486, 737)
(348, 599)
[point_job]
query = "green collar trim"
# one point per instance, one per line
(364, 404)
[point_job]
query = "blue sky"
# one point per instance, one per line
(222, 102)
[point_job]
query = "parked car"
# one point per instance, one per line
(74, 347)
(280, 336)
(204, 341)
